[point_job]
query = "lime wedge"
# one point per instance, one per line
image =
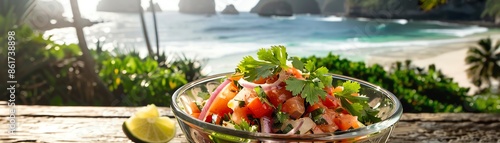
(147, 126)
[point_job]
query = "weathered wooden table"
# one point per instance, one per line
(103, 124)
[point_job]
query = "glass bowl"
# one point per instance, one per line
(197, 131)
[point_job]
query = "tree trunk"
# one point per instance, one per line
(145, 30)
(87, 57)
(152, 6)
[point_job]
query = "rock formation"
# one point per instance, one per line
(304, 6)
(460, 10)
(118, 6)
(333, 7)
(197, 6)
(273, 8)
(298, 6)
(230, 9)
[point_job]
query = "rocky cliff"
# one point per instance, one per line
(197, 6)
(286, 7)
(454, 10)
(230, 9)
(118, 5)
(333, 7)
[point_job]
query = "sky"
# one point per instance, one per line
(89, 6)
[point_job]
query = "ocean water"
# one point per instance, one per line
(224, 39)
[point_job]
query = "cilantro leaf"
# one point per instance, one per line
(296, 63)
(350, 87)
(262, 95)
(310, 66)
(245, 126)
(357, 105)
(320, 73)
(281, 116)
(269, 62)
(294, 85)
(312, 93)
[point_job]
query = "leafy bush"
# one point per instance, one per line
(418, 90)
(53, 74)
(484, 102)
(141, 81)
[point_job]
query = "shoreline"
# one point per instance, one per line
(448, 57)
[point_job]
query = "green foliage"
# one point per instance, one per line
(140, 81)
(427, 5)
(484, 63)
(486, 102)
(385, 6)
(492, 9)
(419, 90)
(54, 74)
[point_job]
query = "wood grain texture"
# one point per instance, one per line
(103, 124)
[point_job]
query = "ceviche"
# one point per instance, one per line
(274, 93)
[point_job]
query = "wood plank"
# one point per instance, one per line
(70, 129)
(79, 111)
(103, 124)
(78, 129)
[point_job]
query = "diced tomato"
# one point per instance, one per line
(196, 115)
(208, 119)
(194, 108)
(239, 114)
(218, 119)
(236, 77)
(277, 95)
(338, 89)
(346, 121)
(294, 107)
(259, 109)
(272, 79)
(327, 128)
(314, 107)
(295, 73)
(329, 115)
(331, 104)
(329, 90)
(260, 80)
(219, 105)
(317, 130)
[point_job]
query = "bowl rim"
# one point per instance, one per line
(369, 129)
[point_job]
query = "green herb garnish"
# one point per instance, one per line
(311, 88)
(245, 126)
(359, 104)
(262, 95)
(281, 116)
(270, 62)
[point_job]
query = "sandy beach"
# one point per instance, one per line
(449, 58)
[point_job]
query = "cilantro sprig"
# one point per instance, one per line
(310, 88)
(245, 126)
(262, 95)
(269, 62)
(356, 105)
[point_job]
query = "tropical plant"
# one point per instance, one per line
(418, 89)
(89, 62)
(484, 63)
(492, 9)
(427, 5)
(484, 102)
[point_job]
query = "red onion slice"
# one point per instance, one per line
(265, 124)
(203, 114)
